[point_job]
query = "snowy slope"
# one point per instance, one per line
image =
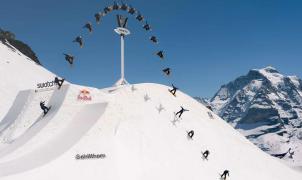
(133, 140)
(18, 72)
(266, 107)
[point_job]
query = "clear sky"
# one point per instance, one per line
(207, 42)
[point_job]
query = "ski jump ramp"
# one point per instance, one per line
(19, 104)
(64, 140)
(55, 101)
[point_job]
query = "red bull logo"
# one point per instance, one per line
(84, 95)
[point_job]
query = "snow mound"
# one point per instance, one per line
(118, 133)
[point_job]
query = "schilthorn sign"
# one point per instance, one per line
(89, 156)
(46, 84)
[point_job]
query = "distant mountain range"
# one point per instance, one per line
(266, 107)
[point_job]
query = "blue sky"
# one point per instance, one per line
(207, 42)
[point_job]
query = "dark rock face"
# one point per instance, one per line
(7, 36)
(263, 104)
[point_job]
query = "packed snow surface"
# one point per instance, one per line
(131, 139)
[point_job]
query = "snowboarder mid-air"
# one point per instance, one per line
(124, 7)
(179, 113)
(167, 71)
(160, 54)
(154, 39)
(206, 154)
(225, 174)
(131, 10)
(108, 9)
(69, 58)
(116, 6)
(88, 25)
(139, 17)
(173, 90)
(190, 134)
(79, 40)
(98, 17)
(44, 108)
(147, 27)
(59, 82)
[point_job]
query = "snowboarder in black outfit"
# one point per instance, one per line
(44, 108)
(206, 154)
(190, 134)
(108, 10)
(225, 174)
(98, 17)
(69, 58)
(173, 90)
(147, 27)
(88, 25)
(154, 39)
(139, 17)
(124, 7)
(160, 54)
(167, 71)
(115, 6)
(59, 82)
(79, 40)
(131, 10)
(179, 113)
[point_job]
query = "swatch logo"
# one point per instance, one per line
(84, 95)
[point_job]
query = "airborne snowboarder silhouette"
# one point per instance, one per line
(154, 39)
(160, 54)
(98, 17)
(115, 6)
(88, 25)
(59, 82)
(147, 27)
(69, 58)
(173, 90)
(179, 113)
(139, 17)
(79, 40)
(108, 10)
(124, 7)
(167, 71)
(44, 108)
(190, 134)
(224, 174)
(131, 10)
(206, 154)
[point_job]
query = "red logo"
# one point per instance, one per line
(84, 95)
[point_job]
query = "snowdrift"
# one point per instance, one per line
(118, 133)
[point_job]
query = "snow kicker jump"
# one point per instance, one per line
(64, 139)
(18, 106)
(55, 101)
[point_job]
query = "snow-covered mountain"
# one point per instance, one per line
(117, 133)
(266, 107)
(18, 72)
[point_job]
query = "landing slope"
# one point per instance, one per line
(134, 141)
